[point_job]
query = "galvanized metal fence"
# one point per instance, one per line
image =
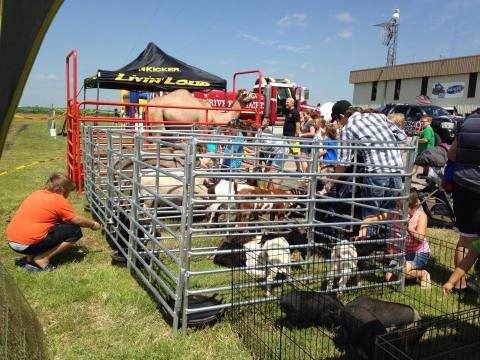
(453, 336)
(172, 202)
(308, 320)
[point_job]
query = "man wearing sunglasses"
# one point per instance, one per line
(378, 136)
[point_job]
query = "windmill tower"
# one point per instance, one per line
(389, 36)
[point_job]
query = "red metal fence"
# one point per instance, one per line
(74, 116)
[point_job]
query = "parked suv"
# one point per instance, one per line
(443, 123)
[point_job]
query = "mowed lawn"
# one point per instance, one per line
(88, 308)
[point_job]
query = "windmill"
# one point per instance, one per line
(389, 36)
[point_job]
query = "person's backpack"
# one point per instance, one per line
(436, 156)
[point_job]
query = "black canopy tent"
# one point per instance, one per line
(154, 70)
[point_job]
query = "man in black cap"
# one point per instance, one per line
(380, 158)
(340, 108)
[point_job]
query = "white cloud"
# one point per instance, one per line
(345, 34)
(257, 40)
(293, 20)
(327, 39)
(296, 49)
(272, 43)
(45, 77)
(249, 37)
(344, 17)
(271, 62)
(306, 67)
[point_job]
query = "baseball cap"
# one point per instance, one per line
(340, 107)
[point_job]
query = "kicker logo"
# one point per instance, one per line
(160, 80)
(158, 69)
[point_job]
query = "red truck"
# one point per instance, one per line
(272, 101)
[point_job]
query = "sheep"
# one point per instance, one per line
(168, 187)
(362, 319)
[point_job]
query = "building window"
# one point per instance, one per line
(472, 85)
(423, 90)
(396, 93)
(373, 95)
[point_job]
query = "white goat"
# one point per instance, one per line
(223, 191)
(344, 254)
(269, 260)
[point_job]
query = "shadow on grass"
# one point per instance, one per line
(75, 254)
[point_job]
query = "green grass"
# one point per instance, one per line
(92, 310)
(89, 309)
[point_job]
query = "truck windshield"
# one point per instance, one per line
(435, 111)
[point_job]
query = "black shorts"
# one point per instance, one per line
(56, 235)
(465, 203)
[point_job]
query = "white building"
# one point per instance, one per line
(447, 82)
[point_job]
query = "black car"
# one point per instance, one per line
(442, 122)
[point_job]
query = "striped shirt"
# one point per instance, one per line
(380, 135)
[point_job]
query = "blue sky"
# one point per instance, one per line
(313, 43)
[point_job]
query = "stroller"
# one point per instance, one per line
(436, 203)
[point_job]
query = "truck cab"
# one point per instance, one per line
(276, 92)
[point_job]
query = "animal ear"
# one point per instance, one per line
(241, 92)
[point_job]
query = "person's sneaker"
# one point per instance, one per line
(32, 267)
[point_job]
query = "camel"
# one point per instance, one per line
(182, 97)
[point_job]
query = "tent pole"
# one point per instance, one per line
(98, 98)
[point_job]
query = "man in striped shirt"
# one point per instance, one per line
(378, 139)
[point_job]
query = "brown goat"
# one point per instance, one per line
(276, 209)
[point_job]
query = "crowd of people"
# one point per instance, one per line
(46, 225)
(369, 126)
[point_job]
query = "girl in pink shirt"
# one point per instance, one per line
(417, 249)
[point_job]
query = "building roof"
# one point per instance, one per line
(450, 66)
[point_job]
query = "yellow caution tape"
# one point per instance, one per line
(35, 162)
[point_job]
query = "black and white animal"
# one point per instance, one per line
(344, 256)
(345, 260)
(264, 258)
(268, 259)
(364, 318)
(118, 233)
(232, 249)
(295, 237)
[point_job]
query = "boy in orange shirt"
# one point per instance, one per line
(45, 224)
